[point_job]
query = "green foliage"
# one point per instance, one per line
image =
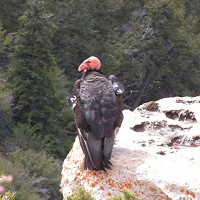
(2, 35)
(160, 37)
(36, 175)
(82, 33)
(8, 196)
(82, 194)
(3, 47)
(32, 78)
(5, 110)
(34, 92)
(25, 137)
(127, 195)
(116, 198)
(22, 181)
(43, 167)
(10, 11)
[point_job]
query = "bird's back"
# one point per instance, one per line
(99, 103)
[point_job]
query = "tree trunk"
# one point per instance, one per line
(142, 90)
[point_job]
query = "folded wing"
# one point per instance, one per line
(98, 114)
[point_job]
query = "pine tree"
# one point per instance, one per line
(35, 100)
(9, 12)
(88, 27)
(160, 47)
(2, 46)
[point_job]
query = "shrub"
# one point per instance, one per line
(25, 137)
(21, 183)
(43, 169)
(8, 196)
(82, 194)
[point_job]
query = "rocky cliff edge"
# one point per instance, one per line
(156, 155)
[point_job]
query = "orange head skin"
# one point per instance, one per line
(92, 63)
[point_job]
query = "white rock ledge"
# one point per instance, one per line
(156, 155)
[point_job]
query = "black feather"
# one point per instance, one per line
(98, 113)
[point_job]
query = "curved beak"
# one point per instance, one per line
(84, 65)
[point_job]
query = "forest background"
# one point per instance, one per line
(152, 46)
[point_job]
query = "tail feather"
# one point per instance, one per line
(87, 162)
(97, 151)
(108, 146)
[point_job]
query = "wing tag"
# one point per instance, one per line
(72, 101)
(118, 88)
